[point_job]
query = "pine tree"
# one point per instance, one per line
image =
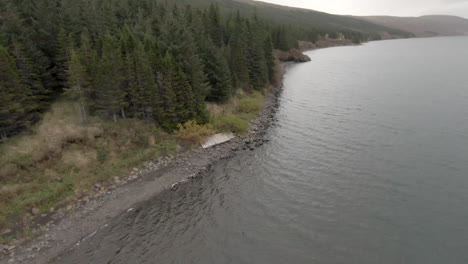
(78, 81)
(14, 107)
(39, 98)
(88, 58)
(168, 116)
(64, 49)
(280, 38)
(110, 97)
(153, 56)
(239, 52)
(128, 44)
(269, 58)
(219, 75)
(258, 71)
(139, 78)
(185, 101)
(148, 88)
(214, 25)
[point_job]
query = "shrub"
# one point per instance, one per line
(230, 123)
(251, 104)
(166, 146)
(191, 132)
(101, 154)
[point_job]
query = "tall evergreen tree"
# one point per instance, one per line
(258, 71)
(168, 116)
(214, 25)
(64, 49)
(78, 81)
(14, 105)
(30, 76)
(219, 75)
(88, 58)
(269, 58)
(239, 51)
(110, 95)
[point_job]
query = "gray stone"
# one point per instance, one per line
(35, 211)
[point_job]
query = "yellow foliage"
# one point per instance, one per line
(191, 132)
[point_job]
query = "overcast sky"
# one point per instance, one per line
(382, 7)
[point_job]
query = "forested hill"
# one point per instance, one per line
(322, 21)
(312, 20)
(146, 59)
(424, 26)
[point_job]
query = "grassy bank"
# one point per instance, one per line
(61, 158)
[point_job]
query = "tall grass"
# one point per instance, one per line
(237, 113)
(61, 158)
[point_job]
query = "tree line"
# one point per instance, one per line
(141, 59)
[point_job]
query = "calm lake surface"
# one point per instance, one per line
(368, 163)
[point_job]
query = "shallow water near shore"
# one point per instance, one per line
(367, 163)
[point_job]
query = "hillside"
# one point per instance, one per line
(310, 19)
(321, 20)
(425, 26)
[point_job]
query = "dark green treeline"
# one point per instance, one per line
(127, 59)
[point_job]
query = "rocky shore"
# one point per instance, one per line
(76, 218)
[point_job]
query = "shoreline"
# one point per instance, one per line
(78, 217)
(86, 216)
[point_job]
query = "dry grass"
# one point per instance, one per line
(61, 157)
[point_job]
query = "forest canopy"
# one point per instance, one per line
(143, 59)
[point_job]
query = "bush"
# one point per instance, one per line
(231, 123)
(101, 154)
(191, 132)
(251, 104)
(166, 146)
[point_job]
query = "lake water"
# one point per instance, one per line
(368, 163)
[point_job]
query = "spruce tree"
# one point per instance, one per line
(239, 52)
(78, 83)
(110, 96)
(219, 75)
(14, 106)
(214, 25)
(269, 58)
(258, 71)
(88, 56)
(64, 49)
(168, 116)
(39, 98)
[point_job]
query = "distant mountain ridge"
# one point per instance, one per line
(424, 26)
(386, 26)
(320, 21)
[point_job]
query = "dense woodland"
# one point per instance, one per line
(142, 59)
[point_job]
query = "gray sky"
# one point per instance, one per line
(382, 7)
